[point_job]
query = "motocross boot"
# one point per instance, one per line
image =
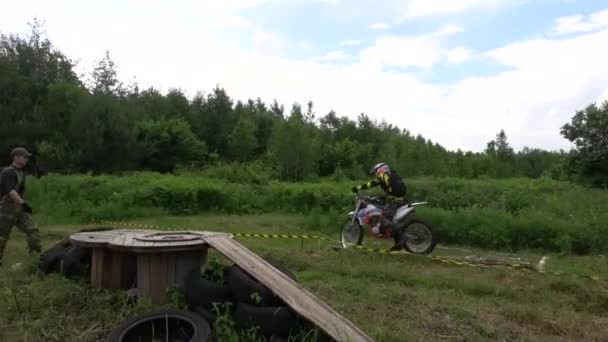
(399, 239)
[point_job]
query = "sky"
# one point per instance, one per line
(454, 71)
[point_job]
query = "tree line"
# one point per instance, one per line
(98, 124)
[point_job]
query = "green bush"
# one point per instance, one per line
(504, 214)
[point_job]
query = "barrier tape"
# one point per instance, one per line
(254, 235)
(518, 267)
(515, 266)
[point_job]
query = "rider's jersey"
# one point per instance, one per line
(389, 180)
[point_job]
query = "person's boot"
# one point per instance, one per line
(399, 238)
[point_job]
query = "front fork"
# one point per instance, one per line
(354, 213)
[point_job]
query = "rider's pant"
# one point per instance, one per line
(388, 213)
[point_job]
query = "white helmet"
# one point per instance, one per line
(375, 168)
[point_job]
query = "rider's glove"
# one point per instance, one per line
(354, 189)
(26, 208)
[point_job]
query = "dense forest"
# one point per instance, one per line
(98, 124)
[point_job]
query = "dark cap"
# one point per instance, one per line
(20, 151)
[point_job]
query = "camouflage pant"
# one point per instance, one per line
(9, 217)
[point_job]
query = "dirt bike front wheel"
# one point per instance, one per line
(352, 234)
(420, 238)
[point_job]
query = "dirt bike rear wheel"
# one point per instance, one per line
(352, 234)
(423, 241)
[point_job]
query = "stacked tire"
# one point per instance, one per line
(254, 306)
(162, 325)
(66, 258)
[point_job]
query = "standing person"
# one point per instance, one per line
(14, 210)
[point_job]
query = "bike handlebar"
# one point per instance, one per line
(366, 197)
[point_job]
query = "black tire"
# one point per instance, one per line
(74, 262)
(359, 237)
(278, 265)
(183, 326)
(271, 320)
(246, 289)
(432, 240)
(207, 314)
(51, 259)
(203, 293)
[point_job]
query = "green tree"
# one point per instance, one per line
(295, 147)
(214, 120)
(588, 130)
(28, 66)
(242, 142)
(166, 143)
(104, 132)
(104, 78)
(500, 157)
(504, 152)
(277, 110)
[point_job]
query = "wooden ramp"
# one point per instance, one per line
(298, 298)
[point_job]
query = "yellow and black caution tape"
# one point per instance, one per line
(514, 266)
(252, 235)
(279, 236)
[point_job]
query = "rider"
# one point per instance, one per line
(395, 190)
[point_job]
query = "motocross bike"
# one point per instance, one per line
(419, 235)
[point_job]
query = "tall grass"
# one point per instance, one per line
(505, 214)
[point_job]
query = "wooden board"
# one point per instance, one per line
(97, 267)
(158, 271)
(132, 242)
(298, 298)
(112, 269)
(92, 239)
(99, 239)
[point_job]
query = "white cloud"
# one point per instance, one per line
(424, 8)
(332, 56)
(303, 44)
(552, 78)
(458, 55)
(603, 97)
(580, 23)
(379, 26)
(421, 51)
(549, 79)
(267, 42)
(350, 43)
(402, 52)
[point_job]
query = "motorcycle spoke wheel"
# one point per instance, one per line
(419, 238)
(350, 234)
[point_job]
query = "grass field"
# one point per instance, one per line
(391, 297)
(499, 214)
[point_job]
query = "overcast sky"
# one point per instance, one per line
(455, 71)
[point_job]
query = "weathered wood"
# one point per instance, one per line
(97, 267)
(156, 272)
(109, 269)
(294, 295)
(123, 266)
(158, 242)
(112, 269)
(99, 239)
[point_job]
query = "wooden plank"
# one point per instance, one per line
(122, 270)
(97, 267)
(294, 295)
(129, 242)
